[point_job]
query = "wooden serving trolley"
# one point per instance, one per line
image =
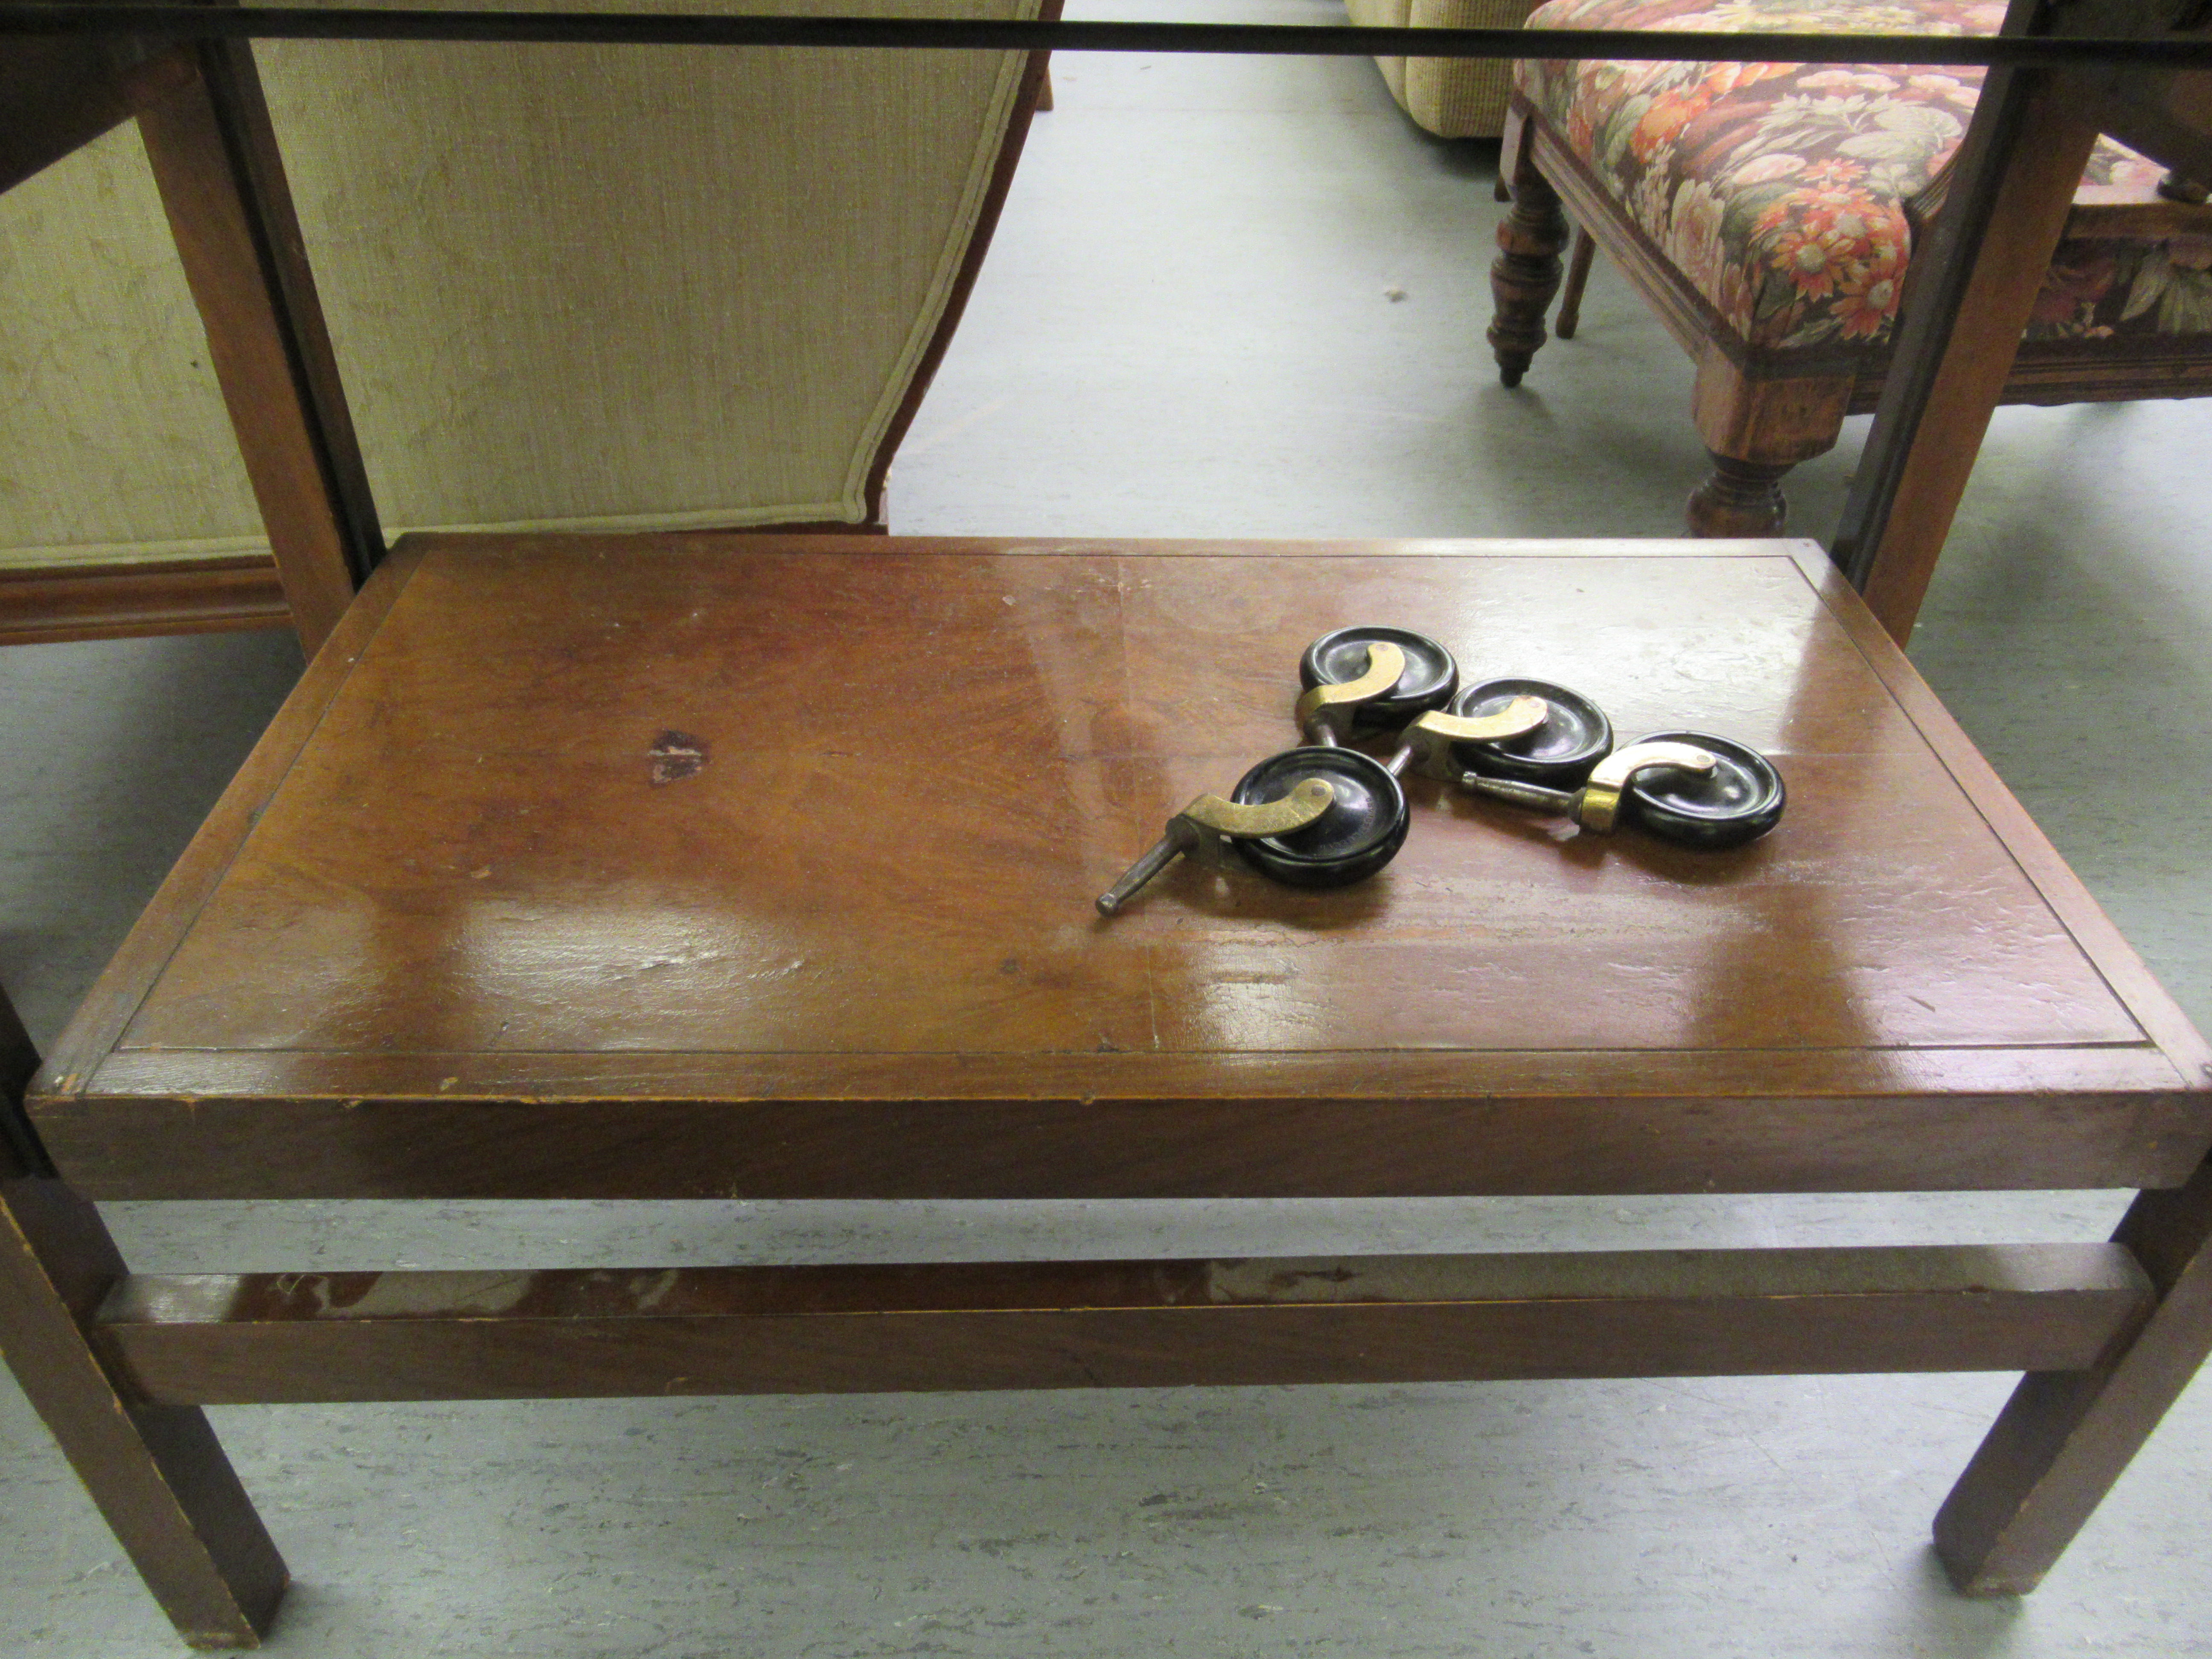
(687, 865)
(460, 929)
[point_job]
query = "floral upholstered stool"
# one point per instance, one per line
(1768, 211)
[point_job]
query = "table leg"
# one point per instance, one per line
(2064, 1437)
(156, 1471)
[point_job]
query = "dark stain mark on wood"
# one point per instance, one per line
(676, 755)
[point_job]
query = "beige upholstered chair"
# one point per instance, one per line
(566, 286)
(1452, 97)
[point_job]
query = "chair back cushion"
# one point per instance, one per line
(569, 287)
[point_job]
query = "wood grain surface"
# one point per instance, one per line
(474, 917)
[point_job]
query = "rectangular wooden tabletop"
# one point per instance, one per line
(691, 864)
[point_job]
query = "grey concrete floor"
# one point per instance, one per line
(1186, 328)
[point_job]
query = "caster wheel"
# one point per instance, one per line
(1559, 755)
(1430, 679)
(1362, 831)
(1739, 800)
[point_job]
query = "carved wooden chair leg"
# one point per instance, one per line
(1756, 430)
(1739, 498)
(156, 1471)
(1570, 296)
(2064, 1437)
(1526, 273)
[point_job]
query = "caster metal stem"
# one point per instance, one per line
(1560, 802)
(1209, 824)
(1164, 851)
(1596, 804)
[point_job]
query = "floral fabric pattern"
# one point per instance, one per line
(1780, 190)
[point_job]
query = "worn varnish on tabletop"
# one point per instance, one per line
(659, 865)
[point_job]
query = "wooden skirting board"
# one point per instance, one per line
(194, 596)
(100, 602)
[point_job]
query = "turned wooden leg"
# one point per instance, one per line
(156, 1471)
(2064, 1437)
(1740, 498)
(1526, 273)
(1570, 296)
(1756, 430)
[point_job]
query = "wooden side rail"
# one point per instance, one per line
(342, 1134)
(269, 1338)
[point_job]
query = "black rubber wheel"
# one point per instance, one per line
(1362, 831)
(1559, 754)
(1431, 677)
(1739, 800)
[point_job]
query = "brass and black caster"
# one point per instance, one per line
(1328, 714)
(1739, 800)
(1426, 679)
(1432, 744)
(1679, 786)
(1574, 735)
(1362, 830)
(1310, 817)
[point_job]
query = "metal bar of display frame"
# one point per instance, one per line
(552, 26)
